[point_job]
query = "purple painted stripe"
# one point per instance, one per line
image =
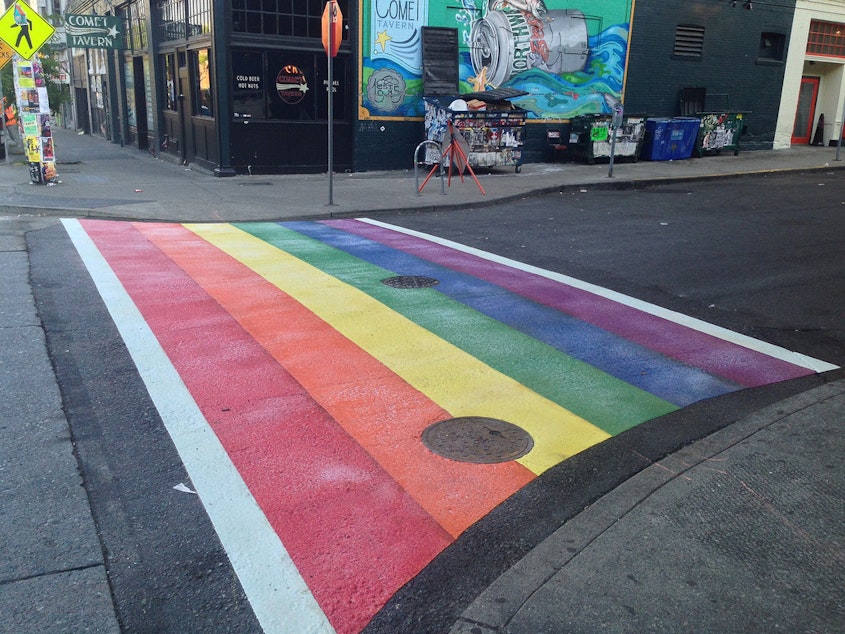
(709, 353)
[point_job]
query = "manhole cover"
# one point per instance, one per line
(410, 281)
(477, 439)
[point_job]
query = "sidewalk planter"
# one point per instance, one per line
(670, 139)
(592, 137)
(720, 131)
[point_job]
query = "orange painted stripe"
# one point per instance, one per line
(382, 412)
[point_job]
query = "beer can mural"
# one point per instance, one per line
(510, 41)
(568, 55)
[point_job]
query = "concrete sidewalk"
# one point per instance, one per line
(738, 532)
(101, 179)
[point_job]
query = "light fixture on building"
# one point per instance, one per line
(747, 5)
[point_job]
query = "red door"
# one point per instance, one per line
(806, 113)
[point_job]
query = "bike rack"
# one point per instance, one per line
(439, 162)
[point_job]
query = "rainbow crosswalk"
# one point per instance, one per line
(276, 349)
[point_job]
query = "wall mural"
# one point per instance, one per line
(569, 55)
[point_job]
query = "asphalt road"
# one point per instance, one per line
(759, 255)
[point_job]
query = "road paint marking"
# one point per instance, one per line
(603, 400)
(377, 408)
(452, 378)
(342, 519)
(359, 317)
(264, 568)
(777, 352)
(634, 363)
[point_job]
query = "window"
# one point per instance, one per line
(169, 82)
(772, 46)
(689, 41)
(826, 38)
(172, 20)
(248, 85)
(201, 75)
(176, 24)
(136, 28)
(286, 85)
(296, 18)
(693, 100)
(199, 17)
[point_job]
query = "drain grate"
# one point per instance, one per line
(410, 281)
(477, 439)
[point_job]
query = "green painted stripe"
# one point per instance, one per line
(607, 402)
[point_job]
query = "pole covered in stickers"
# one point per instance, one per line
(34, 119)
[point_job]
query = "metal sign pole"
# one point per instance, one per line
(330, 61)
(615, 124)
(612, 151)
(839, 140)
(4, 105)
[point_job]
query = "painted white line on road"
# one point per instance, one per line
(777, 352)
(276, 591)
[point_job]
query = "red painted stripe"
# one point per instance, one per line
(380, 410)
(344, 521)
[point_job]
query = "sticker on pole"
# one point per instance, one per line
(332, 28)
(22, 28)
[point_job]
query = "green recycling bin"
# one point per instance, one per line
(720, 131)
(591, 137)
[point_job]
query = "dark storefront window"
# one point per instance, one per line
(170, 73)
(297, 18)
(286, 86)
(292, 88)
(201, 74)
(248, 87)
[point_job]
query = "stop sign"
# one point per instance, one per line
(332, 27)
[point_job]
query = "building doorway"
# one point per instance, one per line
(186, 109)
(805, 114)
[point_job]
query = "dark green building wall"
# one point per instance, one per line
(737, 70)
(386, 145)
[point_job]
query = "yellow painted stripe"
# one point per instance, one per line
(455, 380)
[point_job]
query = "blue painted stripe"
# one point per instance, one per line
(637, 365)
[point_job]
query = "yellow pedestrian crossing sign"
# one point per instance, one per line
(22, 28)
(6, 53)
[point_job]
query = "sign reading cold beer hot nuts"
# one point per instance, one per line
(94, 31)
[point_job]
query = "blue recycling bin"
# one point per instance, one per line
(670, 139)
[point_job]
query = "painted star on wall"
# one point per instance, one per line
(383, 38)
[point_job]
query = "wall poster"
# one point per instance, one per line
(569, 55)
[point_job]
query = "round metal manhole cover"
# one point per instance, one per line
(410, 281)
(477, 439)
